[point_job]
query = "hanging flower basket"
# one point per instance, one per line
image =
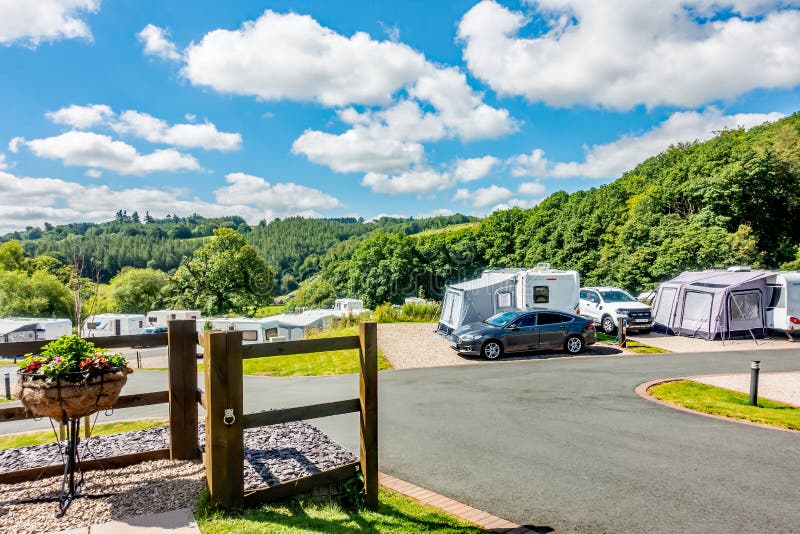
(70, 378)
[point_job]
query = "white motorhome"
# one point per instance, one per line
(18, 329)
(162, 317)
(253, 330)
(497, 290)
(349, 306)
(783, 301)
(113, 324)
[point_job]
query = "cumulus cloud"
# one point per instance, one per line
(485, 196)
(531, 189)
(471, 169)
(13, 145)
(60, 201)
(425, 181)
(3, 162)
(291, 56)
(612, 159)
(81, 117)
(87, 149)
(33, 22)
(157, 43)
(147, 127)
(619, 54)
(155, 130)
(93, 173)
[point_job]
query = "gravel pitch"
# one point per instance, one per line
(273, 454)
(781, 387)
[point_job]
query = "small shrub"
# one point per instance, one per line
(386, 313)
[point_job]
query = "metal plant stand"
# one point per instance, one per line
(72, 480)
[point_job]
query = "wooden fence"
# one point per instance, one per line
(182, 397)
(226, 422)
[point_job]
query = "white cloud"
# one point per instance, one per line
(291, 56)
(13, 145)
(190, 117)
(147, 127)
(422, 181)
(612, 159)
(60, 201)
(619, 53)
(93, 173)
(439, 212)
(471, 169)
(89, 149)
(513, 203)
(531, 189)
(485, 196)
(3, 162)
(81, 117)
(155, 130)
(156, 43)
(32, 22)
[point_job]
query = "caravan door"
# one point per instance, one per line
(696, 318)
(744, 311)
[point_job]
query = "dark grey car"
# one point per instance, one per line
(519, 331)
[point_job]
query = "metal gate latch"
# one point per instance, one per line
(229, 418)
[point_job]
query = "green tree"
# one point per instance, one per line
(12, 257)
(36, 295)
(136, 290)
(384, 269)
(225, 275)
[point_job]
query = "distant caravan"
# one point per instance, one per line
(19, 329)
(498, 290)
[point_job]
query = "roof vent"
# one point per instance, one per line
(543, 266)
(739, 269)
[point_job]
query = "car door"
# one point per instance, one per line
(552, 329)
(590, 307)
(522, 334)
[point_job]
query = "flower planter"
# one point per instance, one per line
(76, 398)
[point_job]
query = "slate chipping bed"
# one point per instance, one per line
(273, 454)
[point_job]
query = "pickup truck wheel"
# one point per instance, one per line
(492, 350)
(608, 326)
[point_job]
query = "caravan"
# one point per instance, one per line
(18, 329)
(253, 330)
(501, 290)
(783, 301)
(112, 324)
(162, 317)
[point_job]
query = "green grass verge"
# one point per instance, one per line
(727, 403)
(337, 362)
(101, 429)
(633, 346)
(267, 311)
(396, 514)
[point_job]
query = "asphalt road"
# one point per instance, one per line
(564, 443)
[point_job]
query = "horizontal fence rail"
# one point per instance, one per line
(301, 413)
(283, 348)
(18, 413)
(110, 342)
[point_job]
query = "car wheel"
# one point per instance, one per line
(573, 344)
(608, 326)
(492, 350)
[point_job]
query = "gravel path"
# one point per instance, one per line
(781, 387)
(414, 345)
(273, 454)
(682, 344)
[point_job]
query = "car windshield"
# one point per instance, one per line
(616, 296)
(502, 319)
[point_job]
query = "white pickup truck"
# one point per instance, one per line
(607, 305)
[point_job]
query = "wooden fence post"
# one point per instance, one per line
(182, 356)
(224, 419)
(368, 390)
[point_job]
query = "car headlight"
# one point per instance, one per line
(469, 337)
(621, 312)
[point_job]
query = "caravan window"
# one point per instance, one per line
(270, 332)
(665, 302)
(152, 320)
(745, 306)
(776, 297)
(504, 300)
(696, 310)
(249, 335)
(541, 294)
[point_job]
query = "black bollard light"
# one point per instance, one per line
(7, 380)
(754, 369)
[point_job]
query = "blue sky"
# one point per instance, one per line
(269, 109)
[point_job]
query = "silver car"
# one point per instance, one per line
(519, 331)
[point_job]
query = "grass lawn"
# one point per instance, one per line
(446, 229)
(397, 514)
(101, 429)
(267, 311)
(633, 346)
(718, 401)
(336, 362)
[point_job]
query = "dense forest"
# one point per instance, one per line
(731, 200)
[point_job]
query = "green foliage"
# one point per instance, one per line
(62, 358)
(35, 295)
(383, 269)
(226, 275)
(12, 256)
(137, 290)
(407, 313)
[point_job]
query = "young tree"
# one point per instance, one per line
(136, 290)
(225, 275)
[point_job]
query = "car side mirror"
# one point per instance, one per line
(513, 327)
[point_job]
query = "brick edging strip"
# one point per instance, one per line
(642, 391)
(460, 510)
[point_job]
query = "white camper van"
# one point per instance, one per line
(497, 290)
(113, 324)
(18, 329)
(162, 317)
(253, 330)
(783, 301)
(348, 306)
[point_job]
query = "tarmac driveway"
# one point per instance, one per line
(564, 443)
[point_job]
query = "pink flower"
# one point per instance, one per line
(58, 359)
